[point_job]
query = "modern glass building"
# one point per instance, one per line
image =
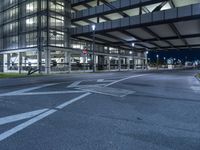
(57, 36)
(31, 31)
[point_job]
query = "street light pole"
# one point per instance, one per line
(133, 45)
(131, 54)
(164, 60)
(93, 47)
(157, 60)
(146, 59)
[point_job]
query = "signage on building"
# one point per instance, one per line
(85, 51)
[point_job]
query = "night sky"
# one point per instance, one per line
(183, 55)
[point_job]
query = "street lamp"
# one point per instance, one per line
(157, 56)
(93, 46)
(164, 60)
(93, 27)
(133, 45)
(146, 59)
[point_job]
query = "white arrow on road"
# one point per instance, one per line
(74, 84)
(105, 81)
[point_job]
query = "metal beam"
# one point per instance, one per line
(117, 10)
(156, 36)
(116, 38)
(139, 39)
(113, 8)
(159, 7)
(175, 30)
(80, 3)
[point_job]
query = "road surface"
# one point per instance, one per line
(101, 111)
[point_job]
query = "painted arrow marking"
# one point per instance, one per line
(74, 84)
(105, 81)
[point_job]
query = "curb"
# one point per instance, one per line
(197, 77)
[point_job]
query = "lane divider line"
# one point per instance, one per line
(21, 116)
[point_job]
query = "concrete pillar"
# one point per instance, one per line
(47, 61)
(108, 63)
(8, 61)
(1, 62)
(69, 61)
(134, 63)
(39, 60)
(5, 67)
(65, 57)
(20, 62)
(119, 63)
(146, 60)
(95, 62)
(128, 63)
(66, 60)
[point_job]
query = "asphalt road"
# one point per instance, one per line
(101, 111)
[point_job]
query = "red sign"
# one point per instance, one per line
(85, 51)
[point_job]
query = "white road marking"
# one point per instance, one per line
(90, 85)
(105, 81)
(44, 93)
(20, 127)
(125, 79)
(73, 100)
(106, 90)
(21, 116)
(24, 125)
(74, 84)
(27, 90)
(100, 80)
(109, 94)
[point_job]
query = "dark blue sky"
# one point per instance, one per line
(190, 55)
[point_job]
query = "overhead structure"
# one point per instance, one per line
(150, 24)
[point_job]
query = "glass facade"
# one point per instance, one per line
(32, 23)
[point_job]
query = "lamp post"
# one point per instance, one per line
(146, 59)
(164, 60)
(130, 52)
(93, 47)
(133, 45)
(157, 56)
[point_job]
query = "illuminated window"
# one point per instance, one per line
(29, 21)
(31, 7)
